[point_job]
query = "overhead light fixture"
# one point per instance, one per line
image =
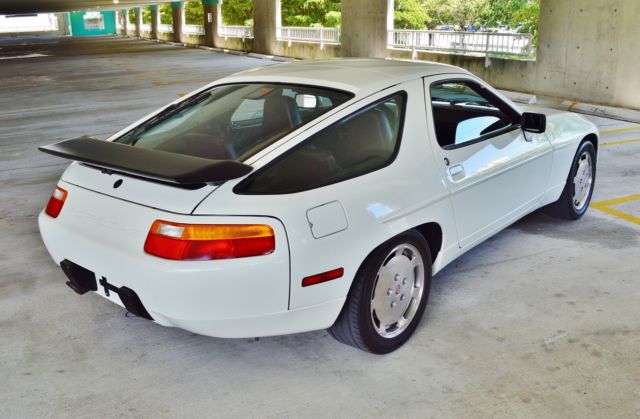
(116, 1)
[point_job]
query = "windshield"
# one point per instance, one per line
(233, 122)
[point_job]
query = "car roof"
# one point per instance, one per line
(357, 75)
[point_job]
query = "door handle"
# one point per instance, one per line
(456, 172)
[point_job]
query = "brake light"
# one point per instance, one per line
(323, 277)
(56, 202)
(178, 241)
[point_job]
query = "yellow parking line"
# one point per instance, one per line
(605, 206)
(626, 129)
(612, 143)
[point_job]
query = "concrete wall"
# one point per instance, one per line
(589, 51)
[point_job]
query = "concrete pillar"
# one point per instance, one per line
(210, 27)
(364, 30)
(177, 9)
(155, 20)
(138, 21)
(124, 15)
(63, 23)
(266, 21)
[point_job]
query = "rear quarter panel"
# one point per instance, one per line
(378, 206)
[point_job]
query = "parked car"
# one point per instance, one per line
(472, 28)
(445, 28)
(308, 195)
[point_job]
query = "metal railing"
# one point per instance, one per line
(234, 31)
(309, 34)
(165, 28)
(462, 42)
(145, 27)
(193, 29)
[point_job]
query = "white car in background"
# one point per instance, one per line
(308, 195)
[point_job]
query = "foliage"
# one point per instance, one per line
(429, 14)
(146, 15)
(132, 16)
(311, 13)
(237, 12)
(166, 14)
(193, 13)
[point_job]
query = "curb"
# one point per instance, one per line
(603, 111)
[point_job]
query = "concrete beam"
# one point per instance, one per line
(364, 27)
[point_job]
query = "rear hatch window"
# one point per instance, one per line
(229, 122)
(233, 122)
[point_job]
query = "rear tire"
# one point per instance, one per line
(388, 296)
(577, 192)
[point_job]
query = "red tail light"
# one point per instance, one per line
(56, 202)
(178, 241)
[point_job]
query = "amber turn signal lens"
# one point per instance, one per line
(179, 241)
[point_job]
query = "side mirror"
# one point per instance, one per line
(534, 122)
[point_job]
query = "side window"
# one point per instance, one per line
(361, 143)
(463, 112)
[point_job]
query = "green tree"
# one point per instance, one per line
(132, 16)
(166, 14)
(311, 12)
(237, 12)
(193, 13)
(410, 14)
(146, 15)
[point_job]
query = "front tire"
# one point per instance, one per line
(388, 296)
(577, 192)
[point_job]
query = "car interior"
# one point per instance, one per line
(356, 145)
(464, 112)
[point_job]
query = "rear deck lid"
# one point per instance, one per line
(158, 179)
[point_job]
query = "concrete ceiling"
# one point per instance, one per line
(33, 6)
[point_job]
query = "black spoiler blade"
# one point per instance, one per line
(162, 166)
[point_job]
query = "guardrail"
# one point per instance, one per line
(234, 31)
(165, 28)
(193, 29)
(462, 42)
(309, 34)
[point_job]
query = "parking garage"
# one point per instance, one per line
(541, 320)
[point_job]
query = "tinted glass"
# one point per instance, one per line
(233, 122)
(361, 143)
(462, 112)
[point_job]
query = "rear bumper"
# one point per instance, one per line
(244, 297)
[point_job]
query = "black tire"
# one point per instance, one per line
(564, 207)
(355, 324)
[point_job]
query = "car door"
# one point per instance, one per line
(494, 171)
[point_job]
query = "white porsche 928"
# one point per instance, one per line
(308, 195)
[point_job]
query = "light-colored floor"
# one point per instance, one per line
(542, 320)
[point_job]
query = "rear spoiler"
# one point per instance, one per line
(178, 169)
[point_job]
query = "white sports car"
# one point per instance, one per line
(308, 195)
